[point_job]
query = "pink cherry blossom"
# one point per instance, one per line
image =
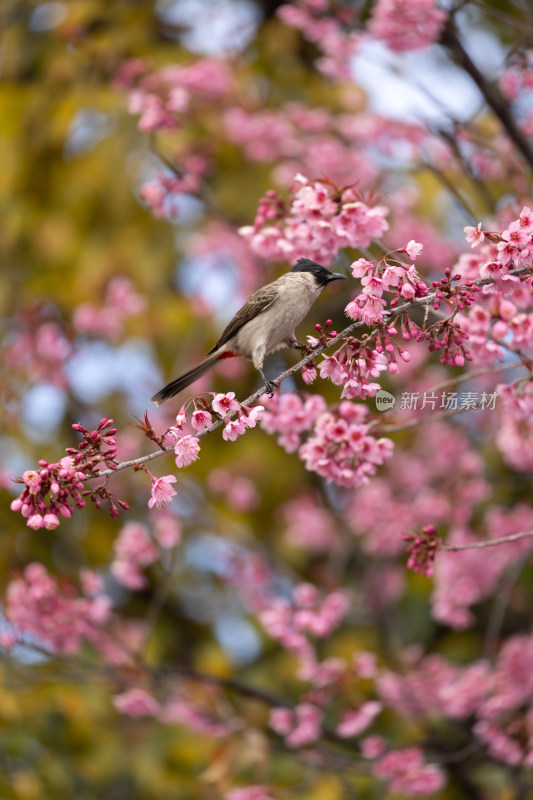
(355, 722)
(136, 703)
(409, 25)
(413, 249)
(234, 428)
(162, 491)
(70, 619)
(224, 403)
(167, 530)
(253, 416)
(201, 420)
(307, 728)
(186, 449)
(407, 773)
(255, 792)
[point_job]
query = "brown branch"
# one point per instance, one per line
(252, 692)
(491, 94)
(466, 376)
(514, 537)
(518, 24)
(450, 186)
(414, 423)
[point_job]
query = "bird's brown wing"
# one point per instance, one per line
(258, 302)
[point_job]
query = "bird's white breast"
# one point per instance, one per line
(271, 328)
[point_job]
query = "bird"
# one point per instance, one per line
(264, 324)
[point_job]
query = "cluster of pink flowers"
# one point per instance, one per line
(518, 77)
(421, 549)
(161, 193)
(325, 24)
(479, 328)
(499, 697)
(55, 614)
(515, 432)
(97, 447)
(134, 549)
(37, 349)
(502, 252)
(402, 25)
(255, 792)
(307, 614)
(300, 726)
(290, 416)
(465, 581)
(355, 721)
(516, 82)
(447, 338)
(434, 686)
(225, 406)
(342, 449)
(49, 492)
(162, 96)
(122, 300)
(407, 25)
(504, 717)
(388, 275)
(407, 773)
(339, 445)
(137, 702)
(415, 487)
(353, 366)
(239, 491)
(310, 526)
(298, 139)
(319, 221)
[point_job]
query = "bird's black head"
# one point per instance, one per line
(322, 275)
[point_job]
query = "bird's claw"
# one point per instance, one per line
(270, 387)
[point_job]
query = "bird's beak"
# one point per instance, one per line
(336, 276)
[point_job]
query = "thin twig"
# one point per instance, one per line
(467, 376)
(499, 607)
(414, 423)
(514, 537)
(507, 19)
(450, 187)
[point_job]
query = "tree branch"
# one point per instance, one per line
(514, 537)
(493, 98)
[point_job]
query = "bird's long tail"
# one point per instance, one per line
(175, 387)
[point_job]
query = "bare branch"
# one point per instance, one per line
(514, 537)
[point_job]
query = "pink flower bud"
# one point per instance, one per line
(407, 291)
(50, 521)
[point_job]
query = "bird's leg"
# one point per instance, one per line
(270, 385)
